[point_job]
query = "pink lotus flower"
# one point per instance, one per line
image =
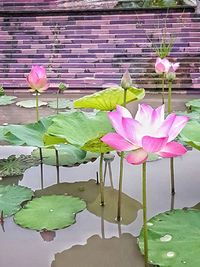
(162, 65)
(171, 74)
(149, 132)
(37, 79)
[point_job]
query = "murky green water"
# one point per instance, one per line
(95, 240)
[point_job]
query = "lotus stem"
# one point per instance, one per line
(37, 106)
(120, 186)
(101, 179)
(110, 174)
(57, 166)
(57, 101)
(163, 88)
(144, 196)
(172, 176)
(125, 94)
(170, 97)
(41, 168)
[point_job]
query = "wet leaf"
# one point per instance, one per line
(191, 134)
(7, 100)
(49, 212)
(78, 127)
(11, 198)
(30, 103)
(173, 238)
(14, 166)
(108, 99)
(62, 104)
(68, 155)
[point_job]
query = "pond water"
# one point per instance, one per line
(96, 240)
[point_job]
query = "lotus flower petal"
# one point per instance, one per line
(177, 126)
(37, 79)
(133, 130)
(117, 142)
(172, 149)
(123, 112)
(153, 144)
(137, 156)
(162, 65)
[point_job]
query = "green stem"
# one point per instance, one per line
(172, 176)
(144, 196)
(37, 106)
(57, 100)
(120, 186)
(170, 97)
(163, 88)
(121, 173)
(101, 179)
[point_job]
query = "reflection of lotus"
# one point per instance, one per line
(149, 132)
(98, 252)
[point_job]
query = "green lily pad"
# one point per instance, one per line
(194, 115)
(49, 212)
(97, 146)
(13, 166)
(191, 134)
(62, 104)
(7, 100)
(173, 238)
(68, 155)
(78, 127)
(108, 99)
(30, 103)
(193, 105)
(28, 134)
(11, 198)
(90, 192)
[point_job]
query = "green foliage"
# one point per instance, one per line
(49, 212)
(173, 239)
(108, 99)
(193, 105)
(11, 198)
(191, 134)
(30, 103)
(62, 104)
(7, 100)
(2, 92)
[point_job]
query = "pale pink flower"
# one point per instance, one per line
(37, 79)
(148, 133)
(162, 65)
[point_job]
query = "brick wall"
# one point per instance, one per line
(89, 51)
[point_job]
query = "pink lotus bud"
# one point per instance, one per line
(126, 81)
(171, 75)
(37, 79)
(162, 65)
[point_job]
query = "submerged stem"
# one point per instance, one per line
(163, 88)
(120, 186)
(101, 179)
(144, 196)
(170, 97)
(37, 106)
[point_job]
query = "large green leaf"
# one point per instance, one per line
(28, 134)
(173, 239)
(78, 127)
(193, 105)
(68, 155)
(108, 99)
(11, 198)
(30, 103)
(13, 166)
(49, 212)
(191, 134)
(7, 100)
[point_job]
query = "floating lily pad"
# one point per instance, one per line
(193, 105)
(194, 115)
(173, 238)
(49, 212)
(68, 126)
(7, 100)
(108, 99)
(191, 134)
(89, 191)
(30, 103)
(13, 166)
(68, 155)
(62, 104)
(97, 146)
(102, 252)
(11, 198)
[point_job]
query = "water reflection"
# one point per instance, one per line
(98, 252)
(48, 235)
